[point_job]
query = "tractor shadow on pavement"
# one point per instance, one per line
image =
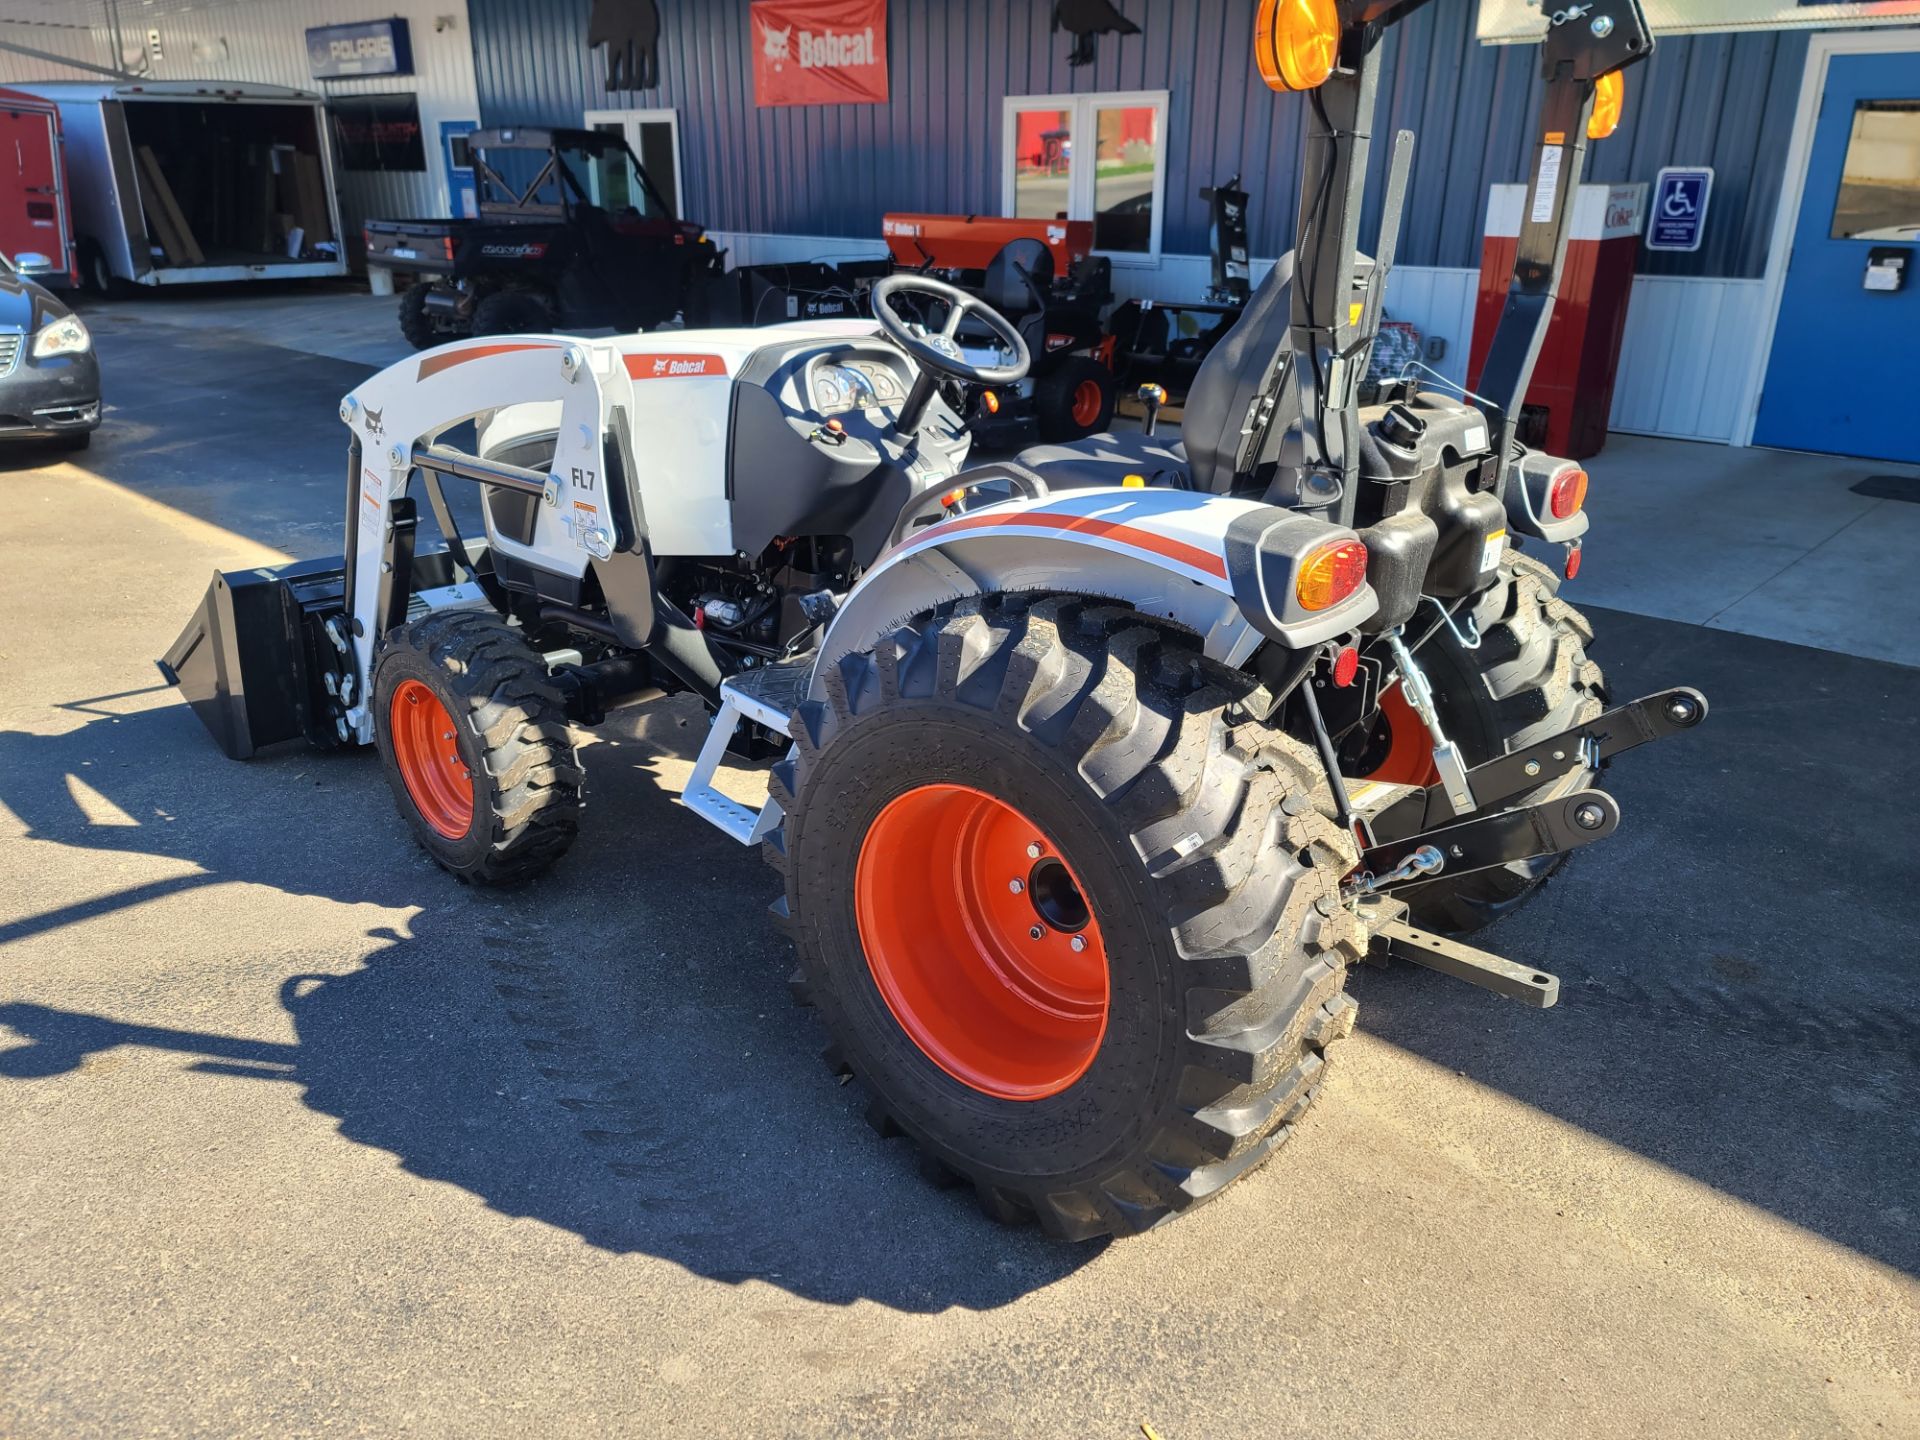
(1737, 963)
(612, 1051)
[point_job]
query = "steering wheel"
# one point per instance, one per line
(940, 350)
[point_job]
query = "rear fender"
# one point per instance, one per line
(1221, 567)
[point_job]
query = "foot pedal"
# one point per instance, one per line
(1463, 962)
(767, 695)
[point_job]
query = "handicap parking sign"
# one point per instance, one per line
(1678, 213)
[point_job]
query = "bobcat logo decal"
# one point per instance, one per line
(775, 44)
(374, 425)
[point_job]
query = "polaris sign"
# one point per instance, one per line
(367, 47)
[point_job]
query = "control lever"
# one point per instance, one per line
(988, 407)
(1152, 396)
(832, 433)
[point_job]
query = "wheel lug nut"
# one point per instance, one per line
(1016, 886)
(1033, 851)
(1079, 942)
(1036, 933)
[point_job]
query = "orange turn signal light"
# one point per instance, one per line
(1295, 42)
(1609, 104)
(992, 401)
(1330, 573)
(1567, 493)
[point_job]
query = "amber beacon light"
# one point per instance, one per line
(1295, 41)
(1609, 104)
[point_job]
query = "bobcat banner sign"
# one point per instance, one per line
(820, 52)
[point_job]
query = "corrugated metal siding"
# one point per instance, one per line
(264, 41)
(1726, 101)
(1720, 100)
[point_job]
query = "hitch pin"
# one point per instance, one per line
(1427, 860)
(1446, 755)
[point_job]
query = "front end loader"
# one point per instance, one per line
(1093, 770)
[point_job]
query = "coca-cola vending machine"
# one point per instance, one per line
(1565, 412)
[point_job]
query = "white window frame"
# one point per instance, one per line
(1081, 191)
(630, 122)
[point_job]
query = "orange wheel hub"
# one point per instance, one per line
(980, 940)
(1409, 759)
(426, 748)
(1087, 400)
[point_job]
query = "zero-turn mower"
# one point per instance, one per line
(1097, 768)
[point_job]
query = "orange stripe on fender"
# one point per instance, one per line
(673, 367)
(434, 364)
(1130, 536)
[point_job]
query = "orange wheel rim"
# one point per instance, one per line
(1409, 759)
(980, 940)
(426, 748)
(1086, 402)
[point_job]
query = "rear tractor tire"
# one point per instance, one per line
(1070, 917)
(1529, 679)
(475, 743)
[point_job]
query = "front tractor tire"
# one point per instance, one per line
(1069, 915)
(476, 745)
(1074, 400)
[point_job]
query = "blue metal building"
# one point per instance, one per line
(1722, 100)
(815, 180)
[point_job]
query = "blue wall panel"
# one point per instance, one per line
(1721, 100)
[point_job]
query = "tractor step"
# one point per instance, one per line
(765, 695)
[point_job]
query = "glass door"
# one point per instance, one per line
(1090, 157)
(654, 136)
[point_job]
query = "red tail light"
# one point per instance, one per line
(1330, 573)
(1567, 493)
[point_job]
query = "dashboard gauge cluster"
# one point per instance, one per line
(855, 385)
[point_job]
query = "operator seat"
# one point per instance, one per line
(1210, 439)
(1015, 283)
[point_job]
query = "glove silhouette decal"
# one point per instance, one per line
(1087, 19)
(630, 29)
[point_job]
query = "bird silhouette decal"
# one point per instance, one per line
(630, 29)
(1087, 20)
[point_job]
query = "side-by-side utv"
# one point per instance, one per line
(1093, 770)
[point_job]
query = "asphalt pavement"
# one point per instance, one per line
(299, 1137)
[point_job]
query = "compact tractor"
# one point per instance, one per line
(1094, 770)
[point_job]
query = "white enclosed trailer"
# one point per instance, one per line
(183, 181)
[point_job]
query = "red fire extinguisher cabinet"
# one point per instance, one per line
(1567, 404)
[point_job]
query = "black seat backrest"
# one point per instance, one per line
(1230, 377)
(1005, 289)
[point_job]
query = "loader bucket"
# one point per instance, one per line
(246, 661)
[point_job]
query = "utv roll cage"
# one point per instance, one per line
(554, 142)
